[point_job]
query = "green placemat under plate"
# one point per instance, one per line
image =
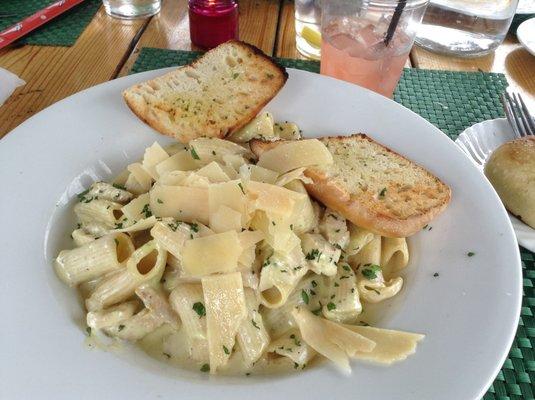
(61, 31)
(452, 101)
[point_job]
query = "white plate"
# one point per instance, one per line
(526, 7)
(526, 35)
(478, 142)
(469, 313)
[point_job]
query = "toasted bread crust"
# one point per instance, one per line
(157, 112)
(359, 209)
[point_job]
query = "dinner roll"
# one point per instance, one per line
(511, 170)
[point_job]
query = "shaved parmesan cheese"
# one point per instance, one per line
(172, 178)
(187, 204)
(230, 194)
(270, 198)
(140, 175)
(172, 236)
(278, 232)
(226, 219)
(153, 156)
(225, 311)
(260, 127)
(264, 175)
(211, 254)
(391, 346)
(181, 161)
(214, 149)
(296, 174)
(303, 218)
(250, 238)
(214, 173)
(291, 155)
(330, 339)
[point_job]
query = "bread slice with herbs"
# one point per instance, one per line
(372, 186)
(212, 97)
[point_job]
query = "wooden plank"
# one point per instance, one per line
(286, 46)
(53, 73)
(510, 58)
(170, 29)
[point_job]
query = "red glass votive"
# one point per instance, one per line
(212, 22)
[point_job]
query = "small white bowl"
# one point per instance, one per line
(526, 35)
(478, 142)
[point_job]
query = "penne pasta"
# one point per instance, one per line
(252, 337)
(394, 255)
(93, 259)
(187, 300)
(146, 264)
(225, 311)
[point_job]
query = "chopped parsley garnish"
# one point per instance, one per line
(81, 196)
(371, 271)
(247, 373)
(159, 201)
(270, 76)
(167, 355)
(194, 154)
(331, 306)
(255, 324)
(117, 186)
(470, 254)
(333, 216)
(304, 296)
(205, 368)
(119, 225)
(241, 187)
(116, 242)
(314, 254)
(194, 227)
(382, 192)
(147, 211)
(344, 277)
(296, 365)
(225, 349)
(346, 267)
(235, 75)
(292, 227)
(88, 330)
(198, 307)
(173, 226)
(436, 274)
(313, 283)
(273, 222)
(214, 153)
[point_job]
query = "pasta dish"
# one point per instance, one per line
(221, 262)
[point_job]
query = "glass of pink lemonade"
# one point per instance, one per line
(360, 44)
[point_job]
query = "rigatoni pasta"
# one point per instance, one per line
(226, 266)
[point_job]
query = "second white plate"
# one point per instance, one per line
(478, 142)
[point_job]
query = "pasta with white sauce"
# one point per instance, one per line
(215, 263)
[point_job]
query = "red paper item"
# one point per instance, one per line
(34, 21)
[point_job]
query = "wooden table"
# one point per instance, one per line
(108, 47)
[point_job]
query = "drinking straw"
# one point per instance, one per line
(395, 21)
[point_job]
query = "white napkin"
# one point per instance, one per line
(8, 83)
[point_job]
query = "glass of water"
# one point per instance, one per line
(466, 28)
(130, 9)
(307, 27)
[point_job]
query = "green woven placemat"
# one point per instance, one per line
(61, 31)
(452, 101)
